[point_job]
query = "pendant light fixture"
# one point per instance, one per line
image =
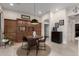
(34, 21)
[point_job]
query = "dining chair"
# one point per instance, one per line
(32, 43)
(24, 39)
(43, 41)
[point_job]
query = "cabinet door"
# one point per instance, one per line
(19, 37)
(10, 29)
(22, 29)
(56, 37)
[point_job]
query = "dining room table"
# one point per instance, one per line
(33, 40)
(36, 37)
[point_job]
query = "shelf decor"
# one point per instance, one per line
(22, 28)
(56, 25)
(25, 17)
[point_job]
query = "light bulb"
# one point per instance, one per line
(11, 4)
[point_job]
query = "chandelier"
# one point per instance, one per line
(34, 21)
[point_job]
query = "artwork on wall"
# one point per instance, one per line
(25, 17)
(61, 22)
(57, 24)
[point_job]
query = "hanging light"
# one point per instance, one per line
(34, 21)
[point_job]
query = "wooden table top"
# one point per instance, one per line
(35, 37)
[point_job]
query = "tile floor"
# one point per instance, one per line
(70, 49)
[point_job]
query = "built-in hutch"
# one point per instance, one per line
(16, 29)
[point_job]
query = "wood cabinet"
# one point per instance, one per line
(24, 28)
(16, 29)
(10, 29)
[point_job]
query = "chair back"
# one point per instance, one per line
(31, 42)
(24, 39)
(45, 37)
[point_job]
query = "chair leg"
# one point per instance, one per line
(22, 44)
(37, 48)
(5, 45)
(44, 46)
(28, 51)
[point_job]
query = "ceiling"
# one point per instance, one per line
(28, 8)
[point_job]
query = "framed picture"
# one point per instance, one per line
(25, 17)
(56, 25)
(61, 22)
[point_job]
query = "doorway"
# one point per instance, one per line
(46, 30)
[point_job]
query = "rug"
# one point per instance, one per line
(23, 51)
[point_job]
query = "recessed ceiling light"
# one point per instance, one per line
(39, 12)
(56, 9)
(11, 4)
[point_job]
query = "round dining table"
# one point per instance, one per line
(36, 37)
(32, 41)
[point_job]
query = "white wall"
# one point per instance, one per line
(71, 29)
(45, 17)
(61, 15)
(76, 21)
(2, 23)
(72, 21)
(11, 14)
(55, 17)
(0, 9)
(70, 11)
